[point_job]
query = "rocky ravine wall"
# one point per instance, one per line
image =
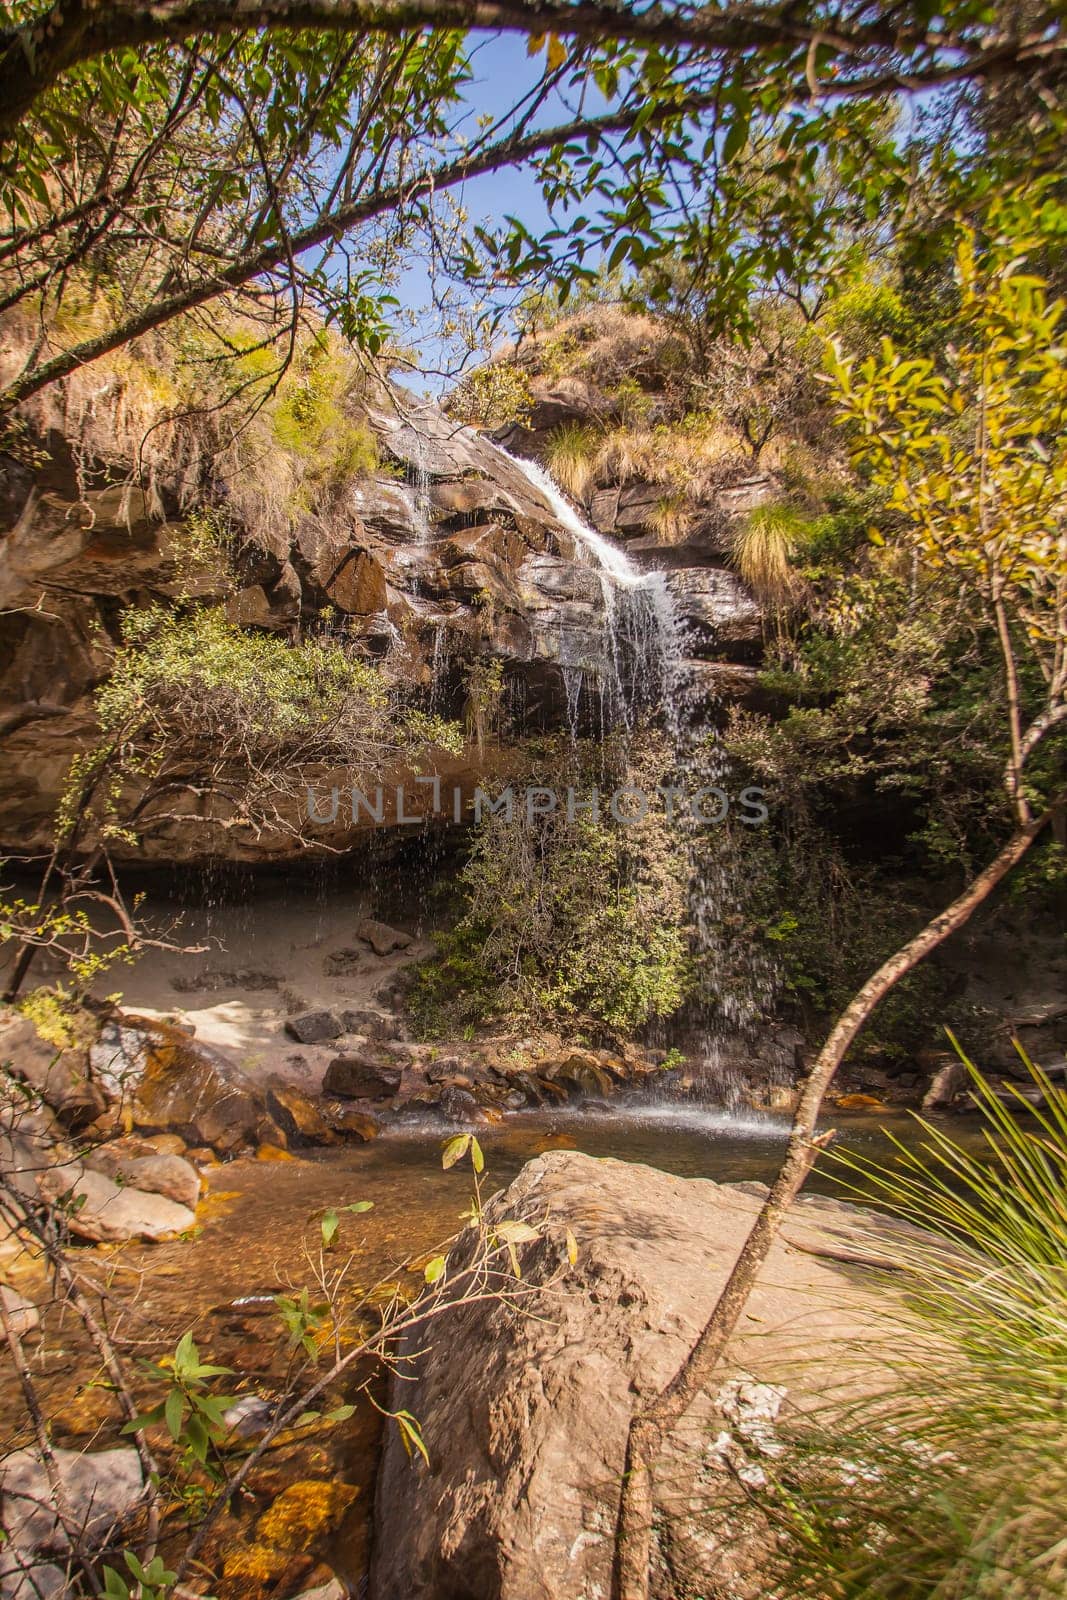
(452, 554)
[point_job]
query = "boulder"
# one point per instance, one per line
(314, 1027)
(360, 1077)
(371, 1024)
(60, 1076)
(189, 1089)
(167, 1175)
(102, 1491)
(525, 1416)
(298, 1116)
(350, 1122)
(382, 939)
(98, 1209)
(947, 1081)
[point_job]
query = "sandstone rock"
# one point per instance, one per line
(102, 1490)
(350, 1122)
(59, 1076)
(371, 1024)
(166, 1144)
(334, 1590)
(189, 1089)
(250, 1416)
(382, 939)
(718, 611)
(22, 1313)
(298, 1116)
(98, 1209)
(118, 1058)
(313, 1027)
(360, 1077)
(340, 963)
(167, 1175)
(525, 1417)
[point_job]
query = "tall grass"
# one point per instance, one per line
(570, 455)
(763, 551)
(952, 1484)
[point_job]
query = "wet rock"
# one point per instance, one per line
(371, 1024)
(382, 939)
(350, 1122)
(360, 1077)
(314, 1027)
(21, 1313)
(341, 963)
(948, 1081)
(298, 1116)
(189, 1089)
(102, 1491)
(459, 1105)
(250, 1416)
(98, 1209)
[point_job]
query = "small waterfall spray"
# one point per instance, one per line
(644, 669)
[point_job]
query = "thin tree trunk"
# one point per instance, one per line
(652, 1423)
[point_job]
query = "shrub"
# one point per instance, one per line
(565, 920)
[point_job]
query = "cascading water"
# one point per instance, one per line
(643, 640)
(644, 670)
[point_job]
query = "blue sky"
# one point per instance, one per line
(503, 72)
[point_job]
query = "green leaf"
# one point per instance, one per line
(174, 1412)
(454, 1150)
(434, 1270)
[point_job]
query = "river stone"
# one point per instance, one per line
(22, 1314)
(298, 1116)
(371, 1024)
(98, 1209)
(358, 1077)
(525, 1416)
(168, 1175)
(382, 939)
(102, 1489)
(313, 1027)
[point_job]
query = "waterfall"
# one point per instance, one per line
(644, 669)
(643, 641)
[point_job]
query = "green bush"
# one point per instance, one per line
(564, 920)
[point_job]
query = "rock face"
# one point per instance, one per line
(526, 1415)
(451, 556)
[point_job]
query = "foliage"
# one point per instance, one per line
(495, 395)
(951, 1482)
(157, 163)
(193, 703)
(192, 1414)
(310, 419)
(765, 548)
(974, 461)
(565, 918)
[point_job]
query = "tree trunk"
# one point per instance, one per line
(653, 1422)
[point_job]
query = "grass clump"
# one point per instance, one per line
(952, 1485)
(571, 456)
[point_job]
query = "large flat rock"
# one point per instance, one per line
(525, 1409)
